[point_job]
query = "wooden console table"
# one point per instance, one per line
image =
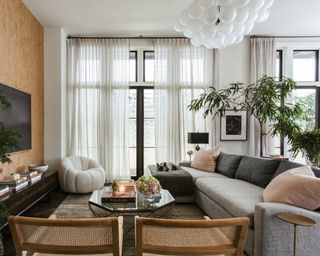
(19, 201)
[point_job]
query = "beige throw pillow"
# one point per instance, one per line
(298, 186)
(205, 160)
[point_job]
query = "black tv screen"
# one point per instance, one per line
(18, 116)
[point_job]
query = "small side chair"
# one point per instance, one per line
(67, 236)
(191, 237)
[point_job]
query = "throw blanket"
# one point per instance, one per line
(178, 182)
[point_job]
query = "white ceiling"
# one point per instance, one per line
(157, 17)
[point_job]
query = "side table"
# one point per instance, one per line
(296, 220)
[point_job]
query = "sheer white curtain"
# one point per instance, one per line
(263, 58)
(97, 99)
(182, 73)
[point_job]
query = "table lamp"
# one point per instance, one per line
(198, 138)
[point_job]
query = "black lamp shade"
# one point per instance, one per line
(198, 137)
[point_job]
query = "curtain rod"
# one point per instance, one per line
(257, 36)
(126, 37)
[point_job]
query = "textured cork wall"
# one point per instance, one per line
(21, 67)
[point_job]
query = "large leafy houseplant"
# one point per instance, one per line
(263, 99)
(308, 144)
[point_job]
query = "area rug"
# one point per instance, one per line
(76, 206)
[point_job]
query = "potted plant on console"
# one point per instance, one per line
(264, 100)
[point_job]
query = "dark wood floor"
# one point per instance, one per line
(42, 209)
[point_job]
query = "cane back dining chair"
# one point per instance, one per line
(67, 236)
(191, 237)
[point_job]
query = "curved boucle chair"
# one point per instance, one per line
(80, 175)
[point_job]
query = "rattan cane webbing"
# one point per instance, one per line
(188, 237)
(66, 236)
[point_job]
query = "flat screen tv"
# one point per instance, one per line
(18, 116)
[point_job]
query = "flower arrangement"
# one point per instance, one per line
(307, 143)
(148, 185)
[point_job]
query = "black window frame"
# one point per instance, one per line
(317, 88)
(316, 66)
(144, 66)
(140, 89)
(136, 57)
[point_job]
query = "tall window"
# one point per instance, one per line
(141, 111)
(304, 69)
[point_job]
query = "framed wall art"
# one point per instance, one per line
(233, 126)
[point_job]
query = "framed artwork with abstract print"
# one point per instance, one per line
(233, 126)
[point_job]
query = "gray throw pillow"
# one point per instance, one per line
(285, 166)
(258, 171)
(227, 164)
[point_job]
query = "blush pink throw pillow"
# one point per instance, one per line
(297, 186)
(205, 160)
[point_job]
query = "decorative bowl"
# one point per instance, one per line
(38, 167)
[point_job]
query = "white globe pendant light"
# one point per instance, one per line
(219, 23)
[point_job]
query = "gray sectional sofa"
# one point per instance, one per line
(235, 190)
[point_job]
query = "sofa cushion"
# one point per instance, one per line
(258, 171)
(285, 166)
(235, 196)
(227, 164)
(205, 160)
(298, 186)
(201, 174)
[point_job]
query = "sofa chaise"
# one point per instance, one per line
(235, 190)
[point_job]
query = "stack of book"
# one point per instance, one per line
(15, 182)
(126, 193)
(33, 176)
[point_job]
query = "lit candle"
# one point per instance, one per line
(121, 189)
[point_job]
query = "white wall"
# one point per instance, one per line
(54, 96)
(234, 66)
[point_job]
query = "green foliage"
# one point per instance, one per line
(307, 143)
(308, 105)
(263, 99)
(8, 138)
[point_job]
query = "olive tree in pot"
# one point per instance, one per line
(263, 99)
(8, 142)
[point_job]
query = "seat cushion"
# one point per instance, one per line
(236, 196)
(227, 164)
(258, 171)
(201, 174)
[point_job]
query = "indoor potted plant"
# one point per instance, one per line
(308, 144)
(263, 99)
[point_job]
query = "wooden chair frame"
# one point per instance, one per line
(20, 245)
(236, 249)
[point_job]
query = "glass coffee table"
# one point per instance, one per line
(158, 207)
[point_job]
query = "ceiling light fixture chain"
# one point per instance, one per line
(220, 23)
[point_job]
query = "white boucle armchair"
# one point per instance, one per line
(80, 175)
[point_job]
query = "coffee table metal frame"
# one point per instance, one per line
(150, 211)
